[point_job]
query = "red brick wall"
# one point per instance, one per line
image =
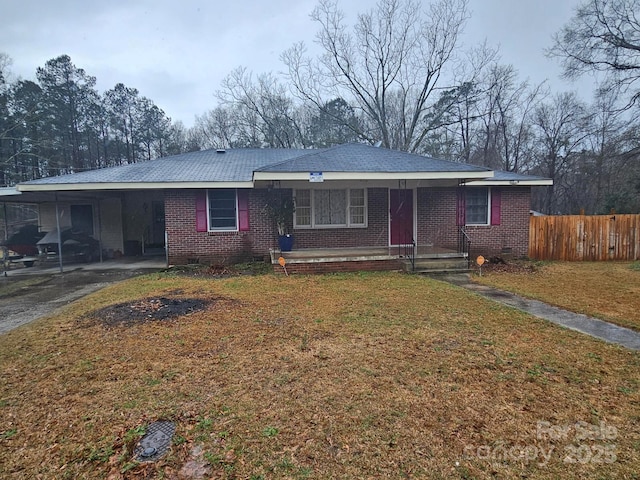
(512, 234)
(436, 214)
(188, 246)
(437, 222)
(436, 217)
(334, 267)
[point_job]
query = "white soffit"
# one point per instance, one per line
(64, 187)
(328, 176)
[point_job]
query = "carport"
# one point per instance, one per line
(125, 223)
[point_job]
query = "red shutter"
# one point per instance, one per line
(201, 211)
(461, 207)
(495, 206)
(243, 210)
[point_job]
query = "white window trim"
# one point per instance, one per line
(488, 219)
(313, 225)
(218, 230)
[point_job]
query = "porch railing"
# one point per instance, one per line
(464, 244)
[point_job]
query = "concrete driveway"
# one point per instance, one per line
(51, 289)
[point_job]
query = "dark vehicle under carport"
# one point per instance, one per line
(76, 246)
(24, 241)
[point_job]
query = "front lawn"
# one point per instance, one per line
(341, 376)
(606, 290)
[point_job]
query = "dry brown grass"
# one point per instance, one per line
(606, 290)
(341, 376)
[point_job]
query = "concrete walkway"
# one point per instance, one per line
(575, 321)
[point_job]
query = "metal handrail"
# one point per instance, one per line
(408, 251)
(464, 243)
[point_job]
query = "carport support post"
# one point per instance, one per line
(6, 221)
(98, 211)
(59, 235)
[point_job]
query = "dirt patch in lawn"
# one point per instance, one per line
(148, 309)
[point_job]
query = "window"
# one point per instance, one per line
(303, 207)
(223, 210)
(477, 206)
(357, 207)
(82, 218)
(325, 208)
(330, 207)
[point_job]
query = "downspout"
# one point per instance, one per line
(59, 234)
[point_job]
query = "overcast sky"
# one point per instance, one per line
(176, 52)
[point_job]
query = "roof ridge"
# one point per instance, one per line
(311, 151)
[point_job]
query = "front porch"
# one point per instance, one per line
(424, 258)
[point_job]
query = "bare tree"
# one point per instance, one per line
(505, 111)
(561, 130)
(263, 104)
(218, 128)
(389, 67)
(603, 36)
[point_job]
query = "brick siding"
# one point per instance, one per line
(188, 246)
(512, 235)
(335, 267)
(436, 220)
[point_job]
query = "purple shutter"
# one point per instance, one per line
(461, 207)
(243, 210)
(201, 211)
(495, 206)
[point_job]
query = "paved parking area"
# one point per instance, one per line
(51, 289)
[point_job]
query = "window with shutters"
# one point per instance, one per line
(477, 206)
(223, 210)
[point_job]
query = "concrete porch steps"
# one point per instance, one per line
(429, 259)
(453, 264)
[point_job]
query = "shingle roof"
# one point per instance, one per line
(509, 176)
(239, 165)
(235, 165)
(354, 157)
(503, 178)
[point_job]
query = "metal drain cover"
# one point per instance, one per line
(155, 443)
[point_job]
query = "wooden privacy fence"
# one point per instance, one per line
(582, 237)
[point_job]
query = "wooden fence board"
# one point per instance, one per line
(585, 237)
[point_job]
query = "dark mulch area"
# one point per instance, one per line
(148, 309)
(222, 271)
(500, 264)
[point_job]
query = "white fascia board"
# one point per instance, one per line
(329, 176)
(9, 191)
(67, 187)
(510, 183)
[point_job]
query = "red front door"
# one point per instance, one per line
(401, 216)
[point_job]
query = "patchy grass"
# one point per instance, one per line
(606, 290)
(373, 375)
(8, 288)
